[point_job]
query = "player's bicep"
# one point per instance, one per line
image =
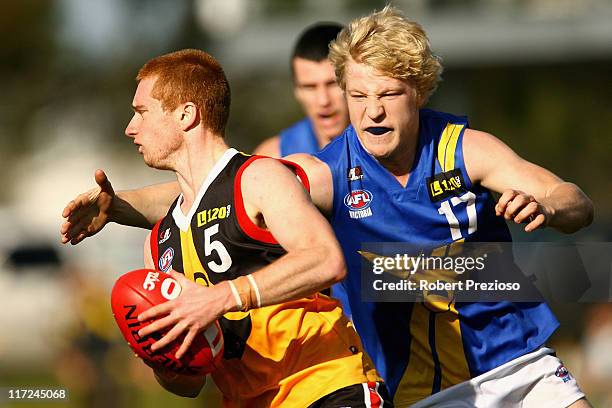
(285, 205)
(495, 166)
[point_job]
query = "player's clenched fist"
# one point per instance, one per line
(88, 212)
(522, 207)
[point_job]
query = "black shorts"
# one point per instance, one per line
(364, 395)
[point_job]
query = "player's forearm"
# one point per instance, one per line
(300, 273)
(570, 209)
(143, 207)
(126, 209)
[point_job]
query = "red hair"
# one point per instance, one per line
(191, 76)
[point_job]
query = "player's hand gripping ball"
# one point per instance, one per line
(137, 291)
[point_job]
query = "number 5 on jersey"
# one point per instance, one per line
(211, 245)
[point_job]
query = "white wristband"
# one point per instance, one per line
(256, 288)
(236, 295)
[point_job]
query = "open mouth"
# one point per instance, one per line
(378, 130)
(327, 115)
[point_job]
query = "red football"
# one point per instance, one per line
(137, 291)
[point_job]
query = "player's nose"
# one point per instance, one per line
(130, 129)
(323, 98)
(374, 109)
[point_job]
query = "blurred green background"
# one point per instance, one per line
(533, 72)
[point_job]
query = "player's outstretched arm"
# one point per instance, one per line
(90, 211)
(530, 194)
(145, 206)
(320, 178)
(269, 147)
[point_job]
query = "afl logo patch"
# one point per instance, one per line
(165, 261)
(358, 199)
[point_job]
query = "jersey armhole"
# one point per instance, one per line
(244, 222)
(299, 172)
(153, 242)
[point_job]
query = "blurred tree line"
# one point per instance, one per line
(554, 114)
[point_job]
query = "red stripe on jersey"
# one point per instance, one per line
(154, 243)
(248, 226)
(299, 172)
(375, 398)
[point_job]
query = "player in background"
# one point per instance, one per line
(249, 253)
(316, 90)
(476, 354)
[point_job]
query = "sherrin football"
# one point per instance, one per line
(137, 291)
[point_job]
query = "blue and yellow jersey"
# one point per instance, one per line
(288, 355)
(299, 138)
(420, 348)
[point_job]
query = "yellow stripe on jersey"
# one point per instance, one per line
(418, 378)
(448, 333)
(191, 262)
(448, 145)
(439, 251)
(456, 247)
(450, 348)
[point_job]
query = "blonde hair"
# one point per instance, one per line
(388, 42)
(191, 76)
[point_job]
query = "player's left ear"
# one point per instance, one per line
(187, 115)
